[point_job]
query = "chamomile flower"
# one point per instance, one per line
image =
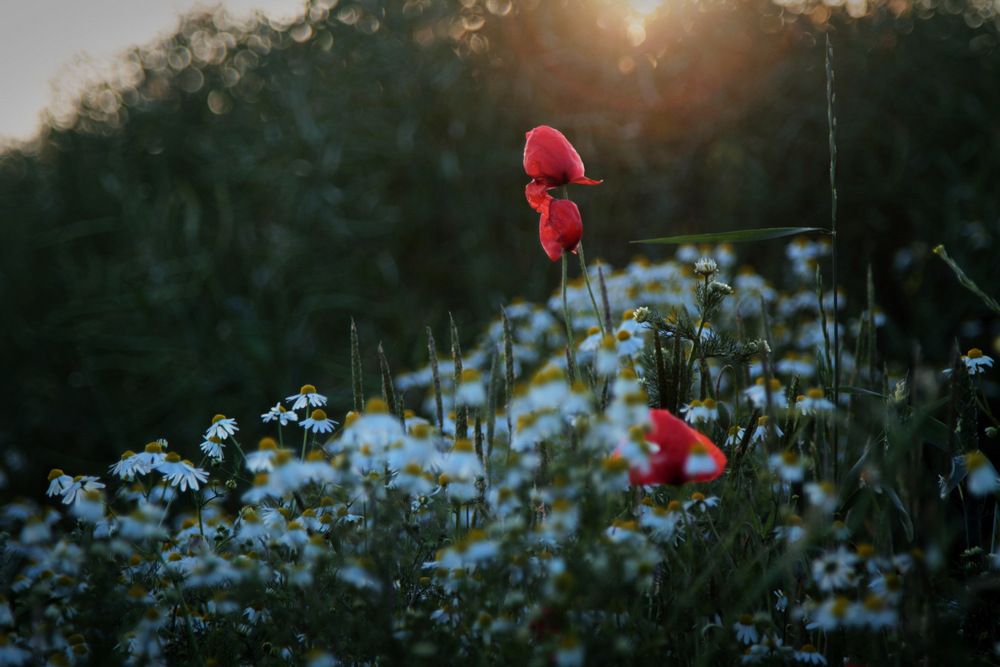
(89, 506)
(976, 362)
(181, 473)
(221, 428)
(213, 448)
(628, 340)
(59, 482)
(836, 612)
(148, 459)
(126, 466)
(746, 630)
(982, 476)
(706, 266)
(665, 523)
(701, 411)
(781, 603)
(810, 655)
(789, 466)
(835, 570)
(279, 414)
(759, 392)
(80, 485)
(699, 502)
(700, 463)
(306, 396)
(822, 495)
(471, 390)
(792, 531)
(793, 364)
(876, 612)
(318, 422)
(764, 426)
(814, 402)
(735, 436)
(462, 463)
(263, 459)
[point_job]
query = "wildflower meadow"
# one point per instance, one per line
(683, 461)
(674, 462)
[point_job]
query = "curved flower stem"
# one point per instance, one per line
(569, 326)
(586, 276)
(586, 279)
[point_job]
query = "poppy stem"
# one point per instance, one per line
(586, 279)
(569, 327)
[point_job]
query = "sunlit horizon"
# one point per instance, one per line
(44, 64)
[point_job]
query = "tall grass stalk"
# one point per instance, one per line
(831, 116)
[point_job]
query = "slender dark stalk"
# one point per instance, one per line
(832, 121)
(508, 354)
(438, 401)
(388, 390)
(359, 400)
(461, 413)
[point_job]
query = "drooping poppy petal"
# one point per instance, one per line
(551, 160)
(560, 227)
(537, 195)
(669, 465)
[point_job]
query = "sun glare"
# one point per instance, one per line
(645, 6)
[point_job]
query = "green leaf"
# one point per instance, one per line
(968, 282)
(904, 515)
(739, 236)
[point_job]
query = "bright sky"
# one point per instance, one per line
(41, 41)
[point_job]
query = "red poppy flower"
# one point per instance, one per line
(685, 455)
(551, 160)
(560, 227)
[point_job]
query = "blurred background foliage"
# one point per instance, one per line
(195, 235)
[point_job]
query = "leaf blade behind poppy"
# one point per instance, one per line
(739, 236)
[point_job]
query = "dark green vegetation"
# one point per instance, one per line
(200, 240)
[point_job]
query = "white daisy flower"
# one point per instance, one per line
(306, 396)
(280, 414)
(318, 422)
(837, 612)
(181, 474)
(81, 484)
(221, 428)
(701, 411)
(976, 361)
(982, 476)
(789, 466)
(126, 467)
(757, 394)
(263, 459)
(148, 459)
(58, 482)
(810, 655)
(814, 402)
(746, 630)
(835, 570)
(212, 447)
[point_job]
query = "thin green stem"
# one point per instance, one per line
(586, 279)
(569, 326)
